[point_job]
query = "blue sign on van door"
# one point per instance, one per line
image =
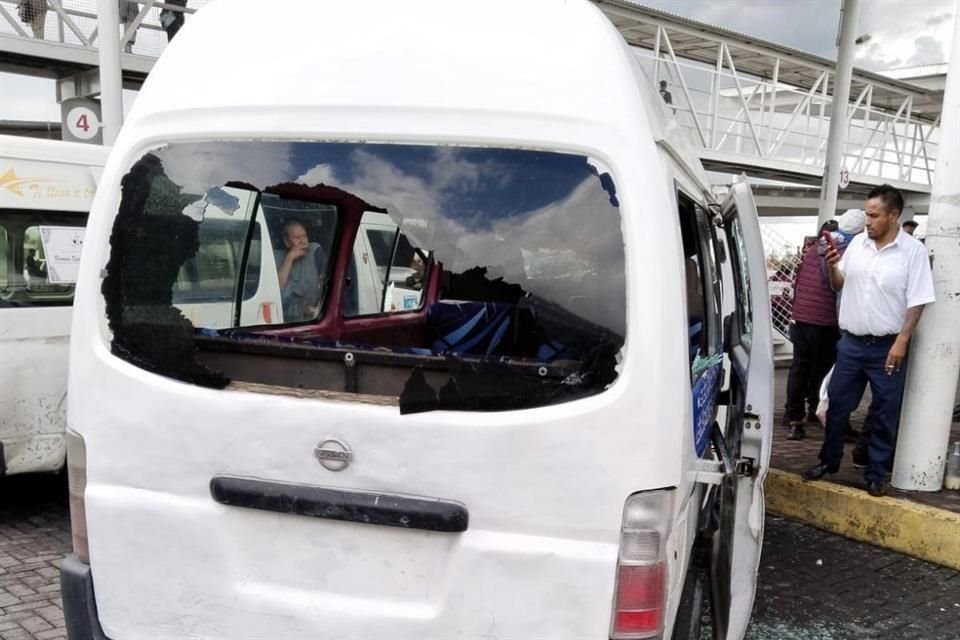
(704, 404)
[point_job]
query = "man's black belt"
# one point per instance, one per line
(890, 337)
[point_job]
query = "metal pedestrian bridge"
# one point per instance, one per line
(747, 104)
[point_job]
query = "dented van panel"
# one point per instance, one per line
(34, 344)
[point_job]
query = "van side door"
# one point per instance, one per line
(738, 540)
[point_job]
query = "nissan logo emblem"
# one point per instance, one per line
(333, 454)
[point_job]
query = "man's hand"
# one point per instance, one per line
(899, 349)
(896, 355)
(832, 257)
(295, 253)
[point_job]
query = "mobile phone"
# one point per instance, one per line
(826, 235)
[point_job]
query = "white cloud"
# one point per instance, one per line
(320, 174)
(488, 241)
(903, 38)
(197, 170)
(902, 33)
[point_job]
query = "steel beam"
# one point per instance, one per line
(837, 137)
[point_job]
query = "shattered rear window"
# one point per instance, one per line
(447, 277)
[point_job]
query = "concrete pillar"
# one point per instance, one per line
(837, 140)
(934, 363)
(111, 84)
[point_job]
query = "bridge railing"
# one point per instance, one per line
(146, 26)
(727, 112)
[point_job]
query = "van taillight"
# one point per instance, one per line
(77, 481)
(640, 593)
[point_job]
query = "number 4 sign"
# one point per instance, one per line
(81, 120)
(83, 123)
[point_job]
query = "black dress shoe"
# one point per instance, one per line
(817, 472)
(877, 488)
(796, 432)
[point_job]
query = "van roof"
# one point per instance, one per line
(540, 58)
(57, 151)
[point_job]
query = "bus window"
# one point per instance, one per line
(25, 278)
(6, 257)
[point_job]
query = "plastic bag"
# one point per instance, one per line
(166, 18)
(824, 403)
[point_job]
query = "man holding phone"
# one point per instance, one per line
(813, 333)
(885, 280)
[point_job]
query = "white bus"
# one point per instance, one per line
(556, 430)
(46, 189)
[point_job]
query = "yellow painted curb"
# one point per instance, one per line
(917, 530)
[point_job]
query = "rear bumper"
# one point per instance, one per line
(79, 603)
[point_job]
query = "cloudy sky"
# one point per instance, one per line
(903, 33)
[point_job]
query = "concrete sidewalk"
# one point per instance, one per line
(921, 524)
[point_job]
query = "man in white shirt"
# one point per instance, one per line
(885, 280)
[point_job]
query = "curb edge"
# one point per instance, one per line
(914, 529)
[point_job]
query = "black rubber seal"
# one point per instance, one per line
(384, 509)
(79, 603)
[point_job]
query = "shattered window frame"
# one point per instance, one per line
(504, 346)
(744, 301)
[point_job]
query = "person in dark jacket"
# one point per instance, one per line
(814, 335)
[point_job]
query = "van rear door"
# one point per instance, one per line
(737, 542)
(446, 492)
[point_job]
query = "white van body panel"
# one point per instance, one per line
(61, 177)
(545, 487)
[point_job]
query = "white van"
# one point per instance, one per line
(46, 189)
(565, 428)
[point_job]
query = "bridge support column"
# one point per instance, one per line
(837, 137)
(111, 85)
(934, 365)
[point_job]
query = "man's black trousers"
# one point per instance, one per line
(814, 351)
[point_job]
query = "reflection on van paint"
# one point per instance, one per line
(540, 320)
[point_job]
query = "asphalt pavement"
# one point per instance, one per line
(812, 585)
